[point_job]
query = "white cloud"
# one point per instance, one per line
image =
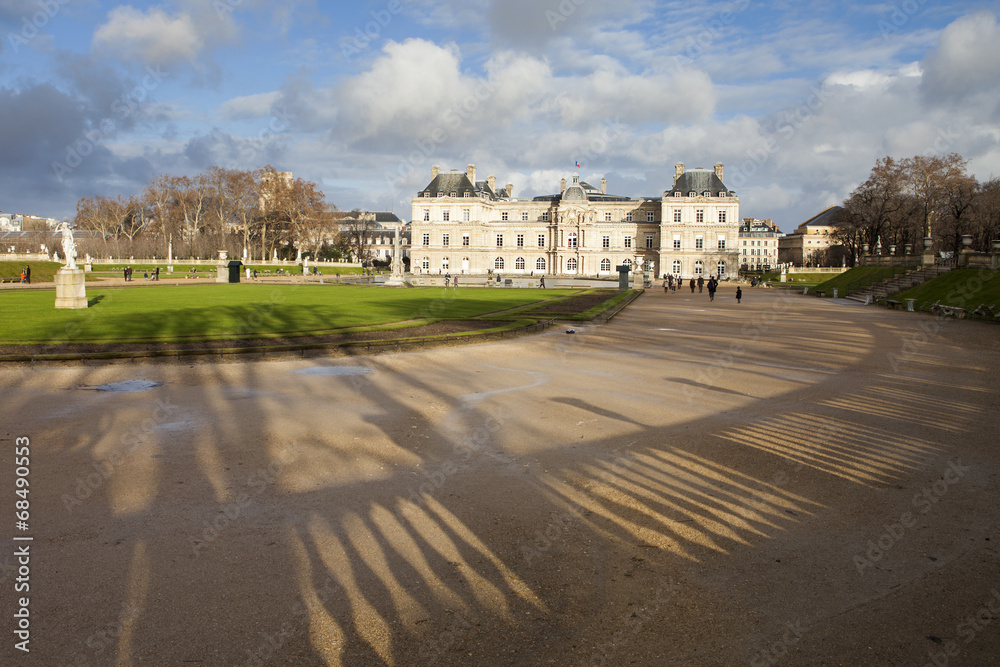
(248, 106)
(154, 37)
(966, 61)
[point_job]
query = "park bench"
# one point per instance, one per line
(948, 311)
(508, 282)
(985, 311)
(893, 303)
(820, 293)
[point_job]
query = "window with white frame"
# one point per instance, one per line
(445, 263)
(628, 241)
(720, 268)
(699, 215)
(503, 215)
(605, 264)
(628, 217)
(468, 194)
(545, 216)
(571, 265)
(722, 241)
(520, 240)
(677, 241)
(499, 240)
(677, 267)
(650, 216)
(607, 216)
(465, 214)
(677, 215)
(648, 266)
(427, 214)
(453, 194)
(426, 238)
(446, 239)
(524, 216)
(571, 240)
(606, 241)
(649, 240)
(519, 264)
(446, 215)
(541, 240)
(465, 239)
(540, 264)
(425, 263)
(498, 263)
(699, 243)
(722, 217)
(699, 268)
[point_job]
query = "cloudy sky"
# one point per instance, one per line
(796, 99)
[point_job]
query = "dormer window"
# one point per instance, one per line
(453, 194)
(676, 194)
(468, 194)
(440, 194)
(692, 194)
(707, 193)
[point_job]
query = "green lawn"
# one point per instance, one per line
(221, 311)
(205, 270)
(961, 288)
(863, 274)
(41, 272)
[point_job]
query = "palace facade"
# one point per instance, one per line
(462, 225)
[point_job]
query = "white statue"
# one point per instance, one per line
(69, 245)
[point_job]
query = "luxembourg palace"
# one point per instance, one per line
(462, 226)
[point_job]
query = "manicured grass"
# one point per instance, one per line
(220, 311)
(863, 274)
(961, 288)
(204, 270)
(41, 272)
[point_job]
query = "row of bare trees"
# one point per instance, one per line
(904, 201)
(264, 211)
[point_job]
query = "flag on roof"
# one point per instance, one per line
(577, 164)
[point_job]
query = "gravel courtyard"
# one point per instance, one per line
(784, 481)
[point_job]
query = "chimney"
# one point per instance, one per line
(470, 171)
(493, 183)
(718, 170)
(604, 186)
(562, 185)
(510, 189)
(435, 170)
(678, 171)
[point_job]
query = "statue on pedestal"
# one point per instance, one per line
(69, 245)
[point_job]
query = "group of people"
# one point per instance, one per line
(671, 283)
(26, 275)
(127, 272)
(449, 281)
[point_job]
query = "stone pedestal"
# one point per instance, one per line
(222, 273)
(71, 291)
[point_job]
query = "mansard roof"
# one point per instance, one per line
(831, 217)
(581, 191)
(448, 182)
(699, 181)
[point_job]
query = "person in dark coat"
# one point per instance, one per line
(692, 285)
(701, 283)
(712, 285)
(27, 274)
(739, 294)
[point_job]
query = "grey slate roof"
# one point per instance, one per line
(828, 218)
(698, 181)
(448, 182)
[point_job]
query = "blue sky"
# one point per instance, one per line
(796, 99)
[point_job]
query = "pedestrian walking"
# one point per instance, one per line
(692, 285)
(711, 289)
(156, 276)
(701, 283)
(739, 294)
(27, 273)
(541, 282)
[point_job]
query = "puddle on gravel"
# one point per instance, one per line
(335, 370)
(128, 386)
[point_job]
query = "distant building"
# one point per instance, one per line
(758, 244)
(808, 244)
(370, 235)
(464, 225)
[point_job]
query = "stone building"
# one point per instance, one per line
(808, 244)
(464, 225)
(759, 244)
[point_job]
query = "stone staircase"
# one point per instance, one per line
(896, 284)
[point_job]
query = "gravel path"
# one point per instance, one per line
(782, 481)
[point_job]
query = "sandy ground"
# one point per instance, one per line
(782, 481)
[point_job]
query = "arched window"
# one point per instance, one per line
(498, 263)
(571, 240)
(605, 264)
(721, 267)
(445, 263)
(519, 264)
(571, 265)
(699, 268)
(425, 263)
(540, 264)
(628, 263)
(677, 267)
